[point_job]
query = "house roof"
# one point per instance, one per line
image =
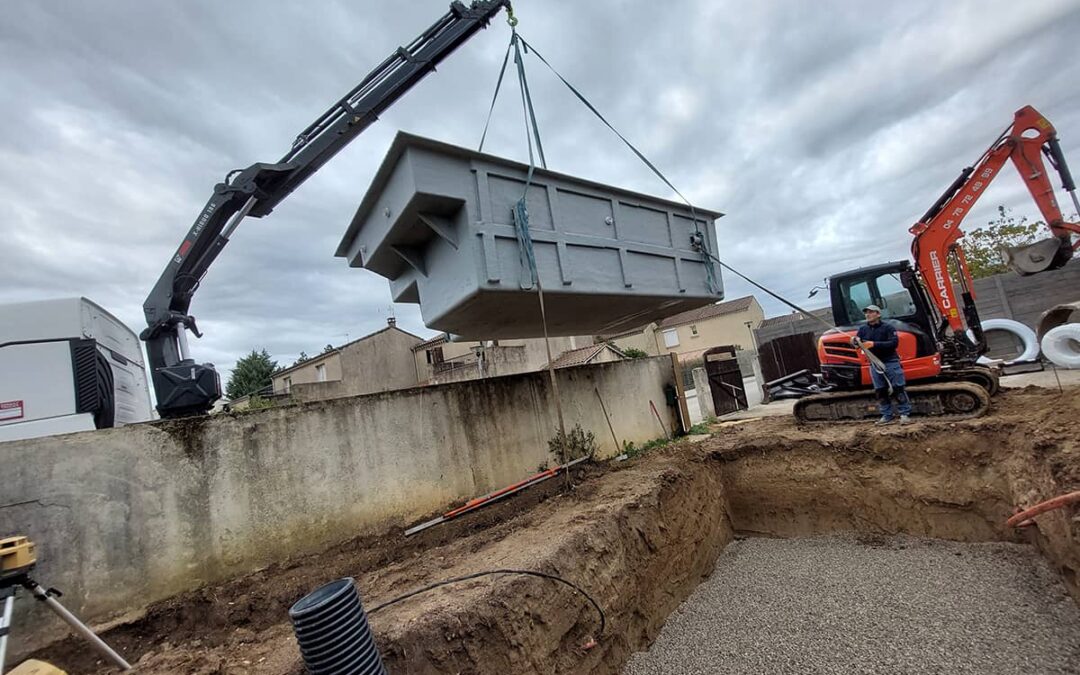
(431, 342)
(708, 312)
(783, 319)
(583, 355)
(335, 350)
(690, 316)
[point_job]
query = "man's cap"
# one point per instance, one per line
(872, 308)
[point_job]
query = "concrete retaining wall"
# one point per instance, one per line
(125, 517)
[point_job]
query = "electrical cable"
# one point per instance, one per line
(875, 362)
(466, 577)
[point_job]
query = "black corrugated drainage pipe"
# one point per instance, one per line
(333, 633)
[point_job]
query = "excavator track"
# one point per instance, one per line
(986, 378)
(942, 400)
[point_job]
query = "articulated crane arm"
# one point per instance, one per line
(938, 231)
(184, 387)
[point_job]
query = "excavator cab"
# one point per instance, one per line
(888, 286)
(934, 390)
(893, 287)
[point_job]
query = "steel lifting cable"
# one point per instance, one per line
(875, 362)
(699, 241)
(714, 287)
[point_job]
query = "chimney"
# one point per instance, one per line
(391, 321)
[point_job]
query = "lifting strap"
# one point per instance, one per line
(529, 275)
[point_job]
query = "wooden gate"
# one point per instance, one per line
(788, 354)
(725, 380)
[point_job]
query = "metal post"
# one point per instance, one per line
(5, 622)
(753, 338)
(618, 446)
(81, 628)
(181, 338)
(237, 217)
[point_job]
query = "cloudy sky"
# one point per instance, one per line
(822, 129)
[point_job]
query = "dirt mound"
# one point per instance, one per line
(638, 536)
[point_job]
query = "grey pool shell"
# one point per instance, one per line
(437, 222)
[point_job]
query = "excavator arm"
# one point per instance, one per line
(184, 387)
(937, 233)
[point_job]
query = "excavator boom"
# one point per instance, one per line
(937, 233)
(940, 334)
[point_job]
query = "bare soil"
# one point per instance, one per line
(639, 536)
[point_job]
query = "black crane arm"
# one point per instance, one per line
(184, 387)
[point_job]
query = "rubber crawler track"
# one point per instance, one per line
(939, 401)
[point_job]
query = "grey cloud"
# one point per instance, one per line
(822, 129)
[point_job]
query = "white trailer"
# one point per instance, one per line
(68, 365)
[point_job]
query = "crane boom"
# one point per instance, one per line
(184, 387)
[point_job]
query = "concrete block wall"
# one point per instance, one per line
(125, 517)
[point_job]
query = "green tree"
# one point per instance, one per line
(634, 353)
(300, 359)
(327, 349)
(251, 374)
(982, 246)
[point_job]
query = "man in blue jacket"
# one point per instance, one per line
(881, 339)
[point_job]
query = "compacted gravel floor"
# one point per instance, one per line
(868, 604)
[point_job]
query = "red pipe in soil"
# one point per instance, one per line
(1043, 507)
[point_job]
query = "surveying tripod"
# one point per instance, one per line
(17, 559)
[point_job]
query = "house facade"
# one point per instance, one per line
(690, 333)
(439, 360)
(381, 361)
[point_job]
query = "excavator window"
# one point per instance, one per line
(884, 289)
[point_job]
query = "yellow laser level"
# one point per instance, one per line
(17, 559)
(17, 556)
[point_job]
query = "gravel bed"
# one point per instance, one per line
(858, 604)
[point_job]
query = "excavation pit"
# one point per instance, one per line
(643, 536)
(856, 604)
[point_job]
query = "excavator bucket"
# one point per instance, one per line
(1047, 254)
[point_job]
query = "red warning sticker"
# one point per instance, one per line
(10, 411)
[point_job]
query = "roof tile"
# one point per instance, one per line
(708, 312)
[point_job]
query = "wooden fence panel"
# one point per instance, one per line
(788, 354)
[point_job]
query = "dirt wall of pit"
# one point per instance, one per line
(638, 536)
(950, 481)
(958, 482)
(125, 517)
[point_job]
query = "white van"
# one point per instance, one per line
(68, 365)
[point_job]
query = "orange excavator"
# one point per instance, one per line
(940, 335)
